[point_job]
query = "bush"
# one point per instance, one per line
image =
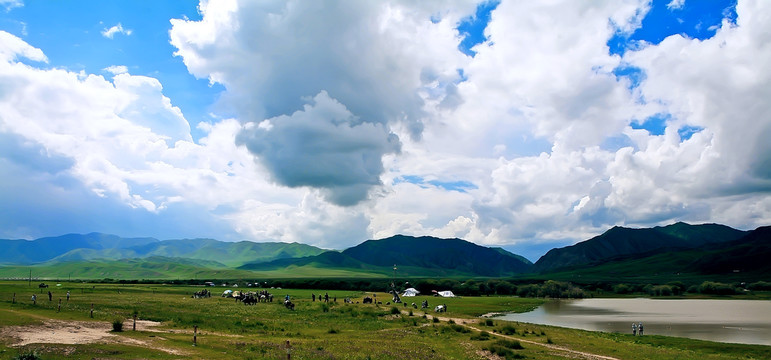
(333, 331)
(759, 286)
(508, 330)
(716, 288)
(436, 320)
(622, 289)
(117, 325)
(27, 356)
(482, 336)
(395, 310)
(489, 322)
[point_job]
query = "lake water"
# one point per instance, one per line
(733, 321)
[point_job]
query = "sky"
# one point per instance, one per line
(521, 124)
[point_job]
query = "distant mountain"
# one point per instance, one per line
(744, 259)
(75, 247)
(434, 253)
(751, 253)
(636, 243)
(47, 248)
(414, 256)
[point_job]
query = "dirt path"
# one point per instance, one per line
(79, 332)
(571, 353)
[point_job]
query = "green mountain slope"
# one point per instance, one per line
(422, 256)
(74, 247)
(745, 259)
(620, 241)
(433, 253)
(44, 249)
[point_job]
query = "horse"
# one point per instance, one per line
(43, 285)
(367, 300)
(289, 304)
(440, 308)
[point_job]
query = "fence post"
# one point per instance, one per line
(92, 310)
(14, 298)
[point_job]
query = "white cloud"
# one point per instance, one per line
(12, 48)
(116, 69)
(676, 4)
(11, 4)
(116, 29)
(515, 152)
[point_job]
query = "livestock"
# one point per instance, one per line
(440, 308)
(367, 300)
(42, 285)
(289, 304)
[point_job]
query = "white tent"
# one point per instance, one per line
(411, 292)
(447, 293)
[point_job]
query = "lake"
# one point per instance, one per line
(733, 321)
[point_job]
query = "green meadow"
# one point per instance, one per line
(315, 330)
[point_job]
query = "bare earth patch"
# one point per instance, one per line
(78, 332)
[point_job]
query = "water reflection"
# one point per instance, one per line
(735, 321)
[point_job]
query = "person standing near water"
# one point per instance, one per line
(641, 328)
(634, 329)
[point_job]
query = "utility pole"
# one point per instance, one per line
(30, 277)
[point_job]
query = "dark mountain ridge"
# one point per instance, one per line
(633, 243)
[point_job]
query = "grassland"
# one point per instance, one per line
(315, 330)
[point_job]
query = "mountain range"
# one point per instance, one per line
(707, 249)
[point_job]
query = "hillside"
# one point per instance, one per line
(414, 256)
(632, 243)
(95, 246)
(47, 248)
(434, 253)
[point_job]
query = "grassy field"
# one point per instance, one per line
(315, 330)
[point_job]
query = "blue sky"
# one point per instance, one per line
(523, 125)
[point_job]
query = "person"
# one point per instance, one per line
(634, 329)
(286, 298)
(326, 297)
(34, 299)
(50, 296)
(68, 295)
(640, 328)
(313, 297)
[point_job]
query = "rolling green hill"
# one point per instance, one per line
(744, 259)
(47, 248)
(631, 243)
(433, 253)
(95, 246)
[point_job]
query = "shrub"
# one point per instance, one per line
(333, 331)
(510, 344)
(482, 336)
(716, 288)
(508, 330)
(395, 310)
(436, 320)
(117, 325)
(489, 322)
(759, 286)
(27, 356)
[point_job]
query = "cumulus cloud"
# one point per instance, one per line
(116, 69)
(371, 58)
(676, 4)
(116, 29)
(322, 146)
